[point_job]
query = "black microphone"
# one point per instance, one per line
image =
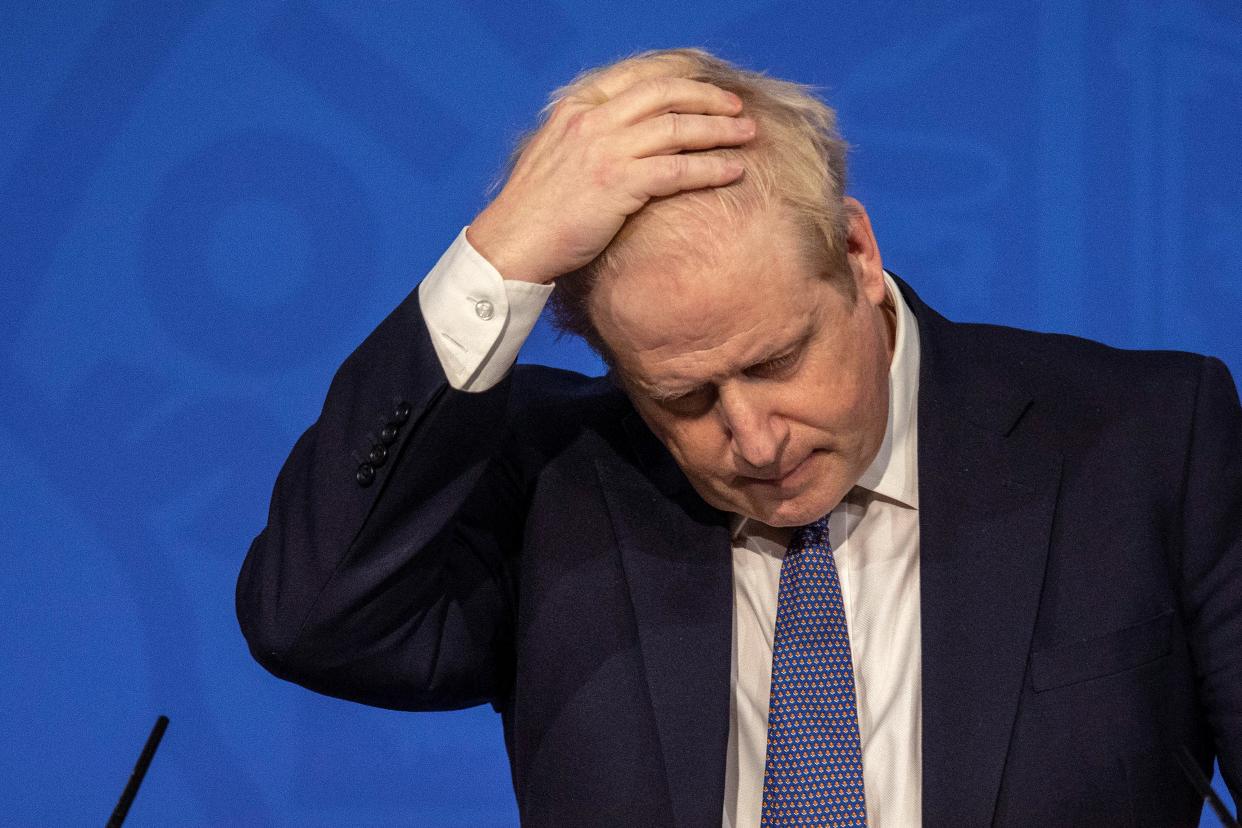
(140, 770)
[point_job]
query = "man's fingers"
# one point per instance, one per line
(673, 132)
(664, 175)
(660, 95)
(606, 85)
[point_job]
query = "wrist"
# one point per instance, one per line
(500, 251)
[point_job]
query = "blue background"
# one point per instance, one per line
(205, 205)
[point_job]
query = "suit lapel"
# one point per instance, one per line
(987, 491)
(675, 554)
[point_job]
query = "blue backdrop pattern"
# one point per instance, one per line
(205, 205)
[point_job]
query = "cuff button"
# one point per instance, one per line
(401, 413)
(365, 474)
(388, 435)
(378, 455)
(484, 309)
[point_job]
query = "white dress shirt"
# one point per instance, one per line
(478, 322)
(874, 534)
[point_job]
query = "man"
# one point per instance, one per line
(807, 542)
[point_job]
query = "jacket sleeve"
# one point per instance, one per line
(1212, 561)
(383, 574)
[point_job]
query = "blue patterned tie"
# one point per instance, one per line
(813, 773)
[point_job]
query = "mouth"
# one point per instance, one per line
(782, 478)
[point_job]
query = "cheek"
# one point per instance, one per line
(869, 411)
(696, 445)
(861, 423)
(847, 405)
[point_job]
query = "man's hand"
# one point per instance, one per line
(592, 164)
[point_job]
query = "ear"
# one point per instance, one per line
(863, 252)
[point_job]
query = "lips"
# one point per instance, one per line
(780, 477)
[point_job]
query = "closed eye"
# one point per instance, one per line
(776, 367)
(693, 403)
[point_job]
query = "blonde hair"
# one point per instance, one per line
(796, 161)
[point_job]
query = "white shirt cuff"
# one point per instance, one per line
(477, 319)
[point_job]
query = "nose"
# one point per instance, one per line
(757, 434)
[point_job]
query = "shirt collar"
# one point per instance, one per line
(893, 474)
(894, 471)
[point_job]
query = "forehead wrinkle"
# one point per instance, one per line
(750, 357)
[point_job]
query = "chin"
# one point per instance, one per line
(792, 513)
(794, 509)
(797, 510)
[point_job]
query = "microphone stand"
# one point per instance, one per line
(140, 770)
(1195, 774)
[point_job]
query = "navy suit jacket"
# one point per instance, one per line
(535, 547)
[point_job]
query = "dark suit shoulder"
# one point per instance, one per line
(555, 396)
(1082, 375)
(552, 409)
(537, 386)
(998, 370)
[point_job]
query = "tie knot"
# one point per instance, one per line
(812, 534)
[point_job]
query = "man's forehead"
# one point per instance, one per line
(701, 293)
(694, 242)
(679, 373)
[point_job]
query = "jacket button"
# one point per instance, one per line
(366, 473)
(378, 455)
(401, 413)
(388, 435)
